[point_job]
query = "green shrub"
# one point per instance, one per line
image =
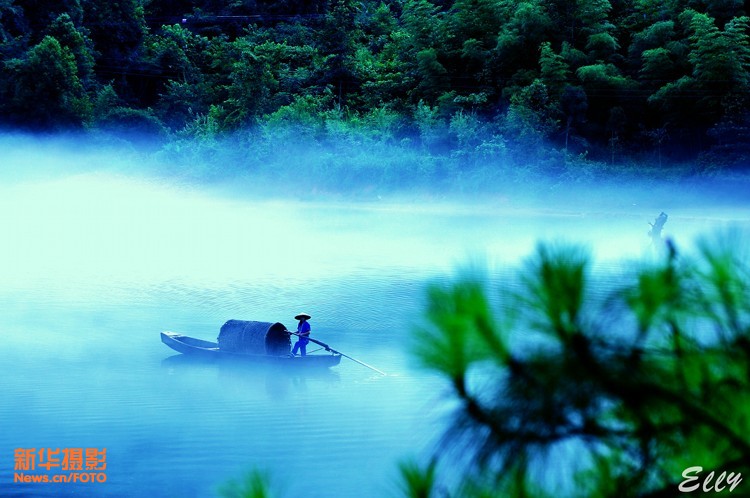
(620, 393)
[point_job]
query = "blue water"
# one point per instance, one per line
(93, 267)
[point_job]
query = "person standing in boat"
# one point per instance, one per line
(303, 334)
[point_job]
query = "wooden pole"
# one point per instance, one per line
(656, 228)
(328, 348)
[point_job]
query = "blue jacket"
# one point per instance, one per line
(303, 328)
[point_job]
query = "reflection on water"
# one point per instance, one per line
(93, 268)
(244, 377)
(174, 426)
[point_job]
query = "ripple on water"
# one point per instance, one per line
(97, 266)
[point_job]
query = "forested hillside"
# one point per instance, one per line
(552, 81)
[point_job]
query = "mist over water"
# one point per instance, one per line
(99, 255)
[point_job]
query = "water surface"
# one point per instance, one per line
(93, 267)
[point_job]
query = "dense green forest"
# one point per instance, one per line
(477, 83)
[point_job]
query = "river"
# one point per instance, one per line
(95, 265)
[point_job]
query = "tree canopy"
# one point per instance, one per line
(528, 72)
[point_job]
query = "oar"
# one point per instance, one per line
(329, 348)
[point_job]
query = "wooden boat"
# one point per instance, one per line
(256, 342)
